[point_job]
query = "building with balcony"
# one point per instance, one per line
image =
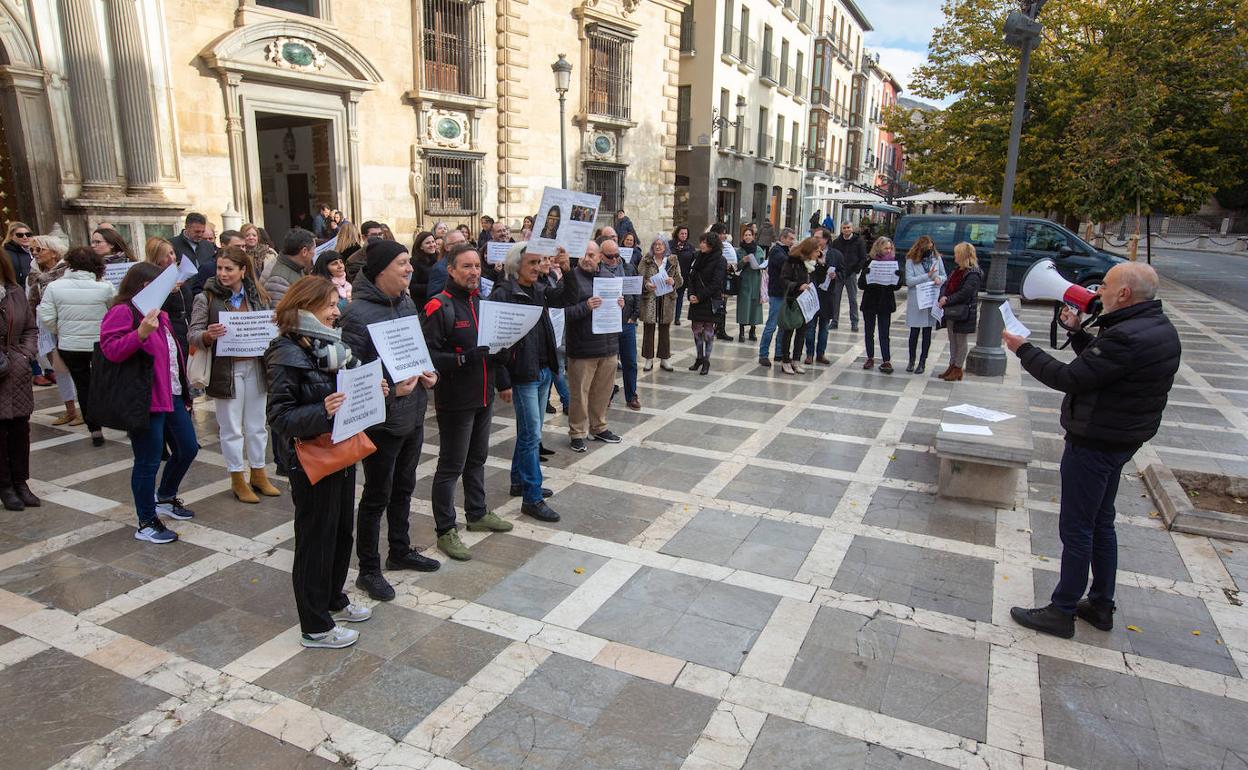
(741, 112)
(890, 172)
(413, 111)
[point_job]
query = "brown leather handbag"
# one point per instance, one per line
(320, 456)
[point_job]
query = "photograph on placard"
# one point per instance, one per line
(567, 221)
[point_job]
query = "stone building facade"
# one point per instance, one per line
(403, 111)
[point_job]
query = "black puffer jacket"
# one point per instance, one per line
(578, 322)
(1116, 390)
(879, 298)
(537, 349)
(369, 305)
(297, 391)
(706, 282)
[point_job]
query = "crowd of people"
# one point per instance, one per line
(70, 321)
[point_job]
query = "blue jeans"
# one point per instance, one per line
(628, 359)
(817, 336)
(774, 306)
(526, 465)
(176, 426)
(680, 302)
(560, 382)
(1086, 524)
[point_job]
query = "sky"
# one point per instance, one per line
(902, 29)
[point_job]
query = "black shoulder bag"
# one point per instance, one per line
(121, 392)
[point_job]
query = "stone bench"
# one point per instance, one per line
(985, 469)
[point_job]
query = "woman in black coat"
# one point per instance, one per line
(959, 298)
(683, 251)
(424, 255)
(802, 263)
(706, 296)
(879, 303)
(302, 364)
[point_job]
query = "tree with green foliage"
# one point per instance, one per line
(1129, 102)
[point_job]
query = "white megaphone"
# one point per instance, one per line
(1043, 282)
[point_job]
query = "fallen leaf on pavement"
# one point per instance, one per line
(1134, 628)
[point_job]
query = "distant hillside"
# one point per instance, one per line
(915, 104)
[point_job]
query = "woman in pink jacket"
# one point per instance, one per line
(123, 333)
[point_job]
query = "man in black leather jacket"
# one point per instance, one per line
(1116, 391)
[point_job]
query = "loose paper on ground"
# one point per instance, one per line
(607, 318)
(979, 412)
(365, 406)
(565, 218)
(401, 345)
(246, 334)
(970, 430)
(503, 324)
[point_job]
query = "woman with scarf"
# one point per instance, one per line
(302, 363)
(706, 297)
(330, 265)
(49, 264)
(237, 382)
(796, 277)
(658, 312)
(879, 303)
(750, 257)
(923, 266)
(261, 251)
(959, 300)
(109, 244)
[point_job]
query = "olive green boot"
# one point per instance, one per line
(452, 546)
(490, 522)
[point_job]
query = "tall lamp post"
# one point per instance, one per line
(563, 79)
(988, 358)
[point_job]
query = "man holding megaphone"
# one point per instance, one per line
(1116, 391)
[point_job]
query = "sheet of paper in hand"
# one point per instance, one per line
(153, 296)
(246, 334)
(926, 294)
(626, 253)
(484, 287)
(808, 301)
(503, 324)
(365, 406)
(565, 218)
(1012, 324)
(115, 272)
(496, 252)
(607, 318)
(730, 253)
(659, 281)
(401, 345)
(882, 273)
(938, 313)
(632, 284)
(556, 320)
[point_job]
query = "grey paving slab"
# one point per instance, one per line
(315, 677)
(702, 545)
(393, 699)
(514, 735)
(1143, 549)
(909, 465)
(212, 741)
(785, 490)
(224, 637)
(702, 435)
(864, 400)
(839, 422)
(632, 622)
(605, 513)
(660, 468)
(664, 718)
(570, 689)
(453, 652)
(815, 453)
(795, 746)
(928, 514)
(1235, 557)
(917, 577)
(525, 594)
(737, 409)
(767, 559)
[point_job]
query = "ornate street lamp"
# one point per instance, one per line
(563, 80)
(988, 359)
(719, 122)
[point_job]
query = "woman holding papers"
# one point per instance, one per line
(124, 333)
(159, 252)
(750, 258)
(796, 277)
(959, 299)
(924, 268)
(706, 296)
(660, 281)
(302, 364)
(879, 284)
(237, 382)
(72, 308)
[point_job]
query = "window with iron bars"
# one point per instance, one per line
(610, 73)
(454, 50)
(451, 181)
(607, 181)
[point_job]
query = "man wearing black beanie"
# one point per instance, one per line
(379, 294)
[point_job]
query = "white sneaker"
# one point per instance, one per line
(334, 639)
(353, 613)
(665, 366)
(798, 368)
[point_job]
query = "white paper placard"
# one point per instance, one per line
(970, 430)
(730, 253)
(882, 273)
(47, 340)
(564, 218)
(626, 253)
(115, 272)
(401, 345)
(808, 301)
(246, 334)
(496, 252)
(926, 293)
(503, 324)
(659, 281)
(607, 318)
(556, 320)
(365, 406)
(153, 295)
(187, 269)
(827, 280)
(1012, 324)
(484, 287)
(979, 412)
(938, 313)
(632, 284)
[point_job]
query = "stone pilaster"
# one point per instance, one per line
(88, 92)
(134, 98)
(671, 93)
(513, 98)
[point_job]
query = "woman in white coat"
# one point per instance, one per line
(72, 308)
(923, 266)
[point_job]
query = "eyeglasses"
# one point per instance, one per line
(22, 235)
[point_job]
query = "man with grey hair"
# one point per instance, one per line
(1116, 391)
(530, 369)
(612, 266)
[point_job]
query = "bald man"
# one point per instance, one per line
(1116, 390)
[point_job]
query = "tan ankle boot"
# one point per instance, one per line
(260, 482)
(955, 375)
(240, 488)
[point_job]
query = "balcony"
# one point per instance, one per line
(766, 145)
(732, 44)
(770, 73)
(855, 123)
(795, 156)
(827, 30)
(782, 152)
(786, 77)
(747, 54)
(687, 28)
(804, 16)
(799, 86)
(790, 9)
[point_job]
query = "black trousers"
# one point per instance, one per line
(14, 451)
(78, 363)
(792, 340)
(463, 445)
(389, 480)
(323, 519)
(914, 341)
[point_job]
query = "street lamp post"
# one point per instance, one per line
(988, 358)
(563, 79)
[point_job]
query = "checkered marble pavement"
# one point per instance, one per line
(759, 576)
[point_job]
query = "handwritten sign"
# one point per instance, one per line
(365, 406)
(401, 345)
(246, 334)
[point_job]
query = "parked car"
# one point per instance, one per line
(1031, 239)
